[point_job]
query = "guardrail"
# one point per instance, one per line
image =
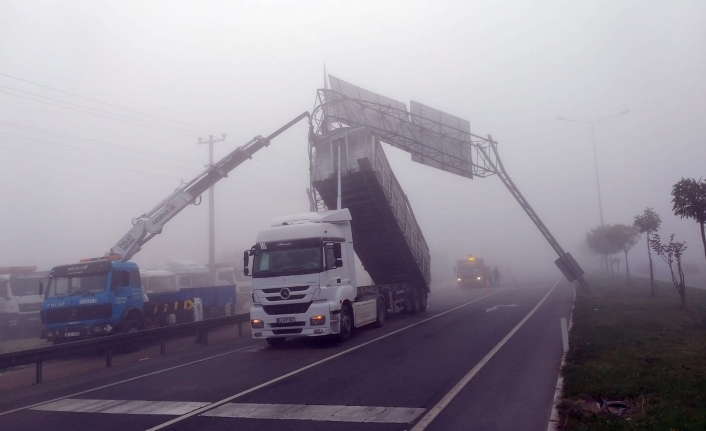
(109, 343)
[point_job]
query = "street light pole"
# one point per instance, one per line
(595, 152)
(211, 216)
(598, 182)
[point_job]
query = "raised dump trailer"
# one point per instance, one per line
(388, 240)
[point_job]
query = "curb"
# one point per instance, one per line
(559, 388)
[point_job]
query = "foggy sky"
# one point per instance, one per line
(246, 68)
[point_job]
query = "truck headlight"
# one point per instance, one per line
(317, 320)
(459, 279)
(478, 278)
(257, 324)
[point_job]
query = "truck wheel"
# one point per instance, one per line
(275, 341)
(346, 324)
(130, 326)
(381, 311)
(423, 302)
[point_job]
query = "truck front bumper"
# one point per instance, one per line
(264, 325)
(77, 332)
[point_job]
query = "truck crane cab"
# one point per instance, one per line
(92, 298)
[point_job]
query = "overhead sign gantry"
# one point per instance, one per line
(432, 137)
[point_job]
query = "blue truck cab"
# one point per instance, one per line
(92, 298)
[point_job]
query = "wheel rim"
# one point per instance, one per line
(345, 323)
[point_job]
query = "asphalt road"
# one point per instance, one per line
(485, 360)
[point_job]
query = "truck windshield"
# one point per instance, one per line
(24, 286)
(64, 286)
(469, 268)
(287, 261)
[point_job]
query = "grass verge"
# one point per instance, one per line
(641, 350)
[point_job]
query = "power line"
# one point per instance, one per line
(87, 140)
(102, 102)
(87, 163)
(165, 127)
(89, 150)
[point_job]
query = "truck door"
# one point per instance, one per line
(126, 290)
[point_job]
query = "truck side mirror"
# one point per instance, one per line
(41, 288)
(337, 254)
(246, 261)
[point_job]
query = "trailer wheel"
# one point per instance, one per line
(274, 342)
(423, 302)
(381, 312)
(346, 323)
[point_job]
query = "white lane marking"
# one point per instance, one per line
(559, 389)
(129, 407)
(488, 310)
(123, 381)
(326, 413)
(564, 334)
(441, 405)
(312, 365)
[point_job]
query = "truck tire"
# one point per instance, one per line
(346, 324)
(381, 314)
(274, 342)
(423, 302)
(130, 326)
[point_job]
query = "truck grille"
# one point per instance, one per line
(279, 298)
(26, 308)
(286, 308)
(286, 331)
(77, 314)
(291, 289)
(287, 325)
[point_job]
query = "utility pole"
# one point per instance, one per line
(211, 217)
(595, 163)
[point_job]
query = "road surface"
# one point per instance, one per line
(477, 359)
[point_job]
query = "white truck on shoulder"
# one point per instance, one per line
(20, 303)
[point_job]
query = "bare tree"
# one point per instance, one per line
(671, 253)
(648, 223)
(690, 202)
(624, 238)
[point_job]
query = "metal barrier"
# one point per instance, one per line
(39, 355)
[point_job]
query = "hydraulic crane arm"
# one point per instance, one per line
(149, 224)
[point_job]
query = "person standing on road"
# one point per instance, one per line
(496, 277)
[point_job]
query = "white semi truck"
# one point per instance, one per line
(303, 266)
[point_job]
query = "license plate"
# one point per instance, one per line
(72, 334)
(286, 319)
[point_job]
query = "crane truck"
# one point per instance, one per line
(303, 266)
(104, 295)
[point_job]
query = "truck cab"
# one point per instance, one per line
(92, 298)
(20, 303)
(471, 272)
(304, 279)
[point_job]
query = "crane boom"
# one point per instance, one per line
(150, 224)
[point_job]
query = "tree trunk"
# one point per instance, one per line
(682, 285)
(627, 267)
(703, 237)
(652, 272)
(612, 270)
